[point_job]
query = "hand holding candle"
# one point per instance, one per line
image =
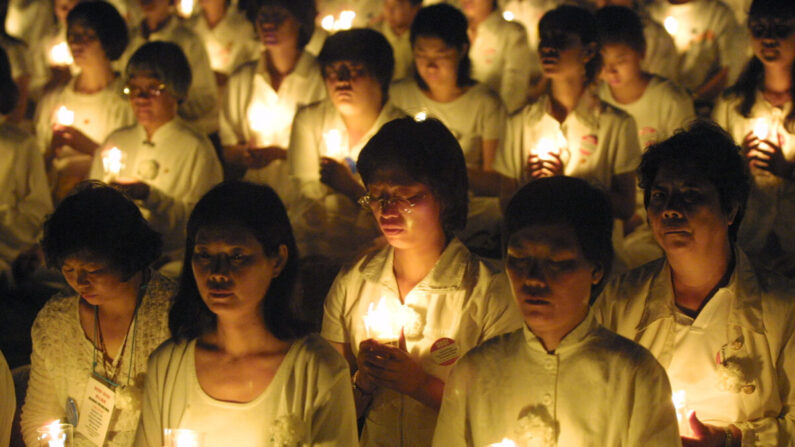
(64, 116)
(382, 322)
(60, 54)
(55, 434)
(545, 159)
(112, 163)
(181, 437)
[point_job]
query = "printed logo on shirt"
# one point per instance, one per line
(445, 351)
(587, 146)
(489, 54)
(148, 169)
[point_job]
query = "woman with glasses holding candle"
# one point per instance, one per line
(73, 120)
(443, 89)
(99, 334)
(241, 369)
(562, 379)
(437, 298)
(262, 96)
(722, 328)
(758, 111)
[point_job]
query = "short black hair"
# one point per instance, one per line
(362, 45)
(259, 210)
(166, 62)
(569, 201)
(707, 149)
(578, 21)
(103, 223)
(304, 11)
(106, 21)
(620, 25)
(9, 93)
(450, 25)
(427, 152)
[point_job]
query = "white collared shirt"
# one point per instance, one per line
(458, 305)
(230, 43)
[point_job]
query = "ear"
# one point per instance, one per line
(735, 208)
(590, 51)
(280, 260)
(597, 274)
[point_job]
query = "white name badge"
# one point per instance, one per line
(96, 411)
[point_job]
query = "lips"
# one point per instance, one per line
(220, 293)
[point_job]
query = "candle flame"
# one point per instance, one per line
(504, 443)
(346, 20)
(421, 116)
(545, 149)
(182, 437)
(508, 15)
(761, 129)
(60, 54)
(328, 23)
(54, 435)
(382, 321)
(185, 8)
(671, 25)
(333, 139)
(112, 161)
(258, 116)
(65, 116)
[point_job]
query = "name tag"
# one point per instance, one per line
(96, 411)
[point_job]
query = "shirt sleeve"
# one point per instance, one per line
(652, 419)
(9, 401)
(494, 118)
(333, 326)
(508, 160)
(516, 72)
(732, 42)
(452, 425)
(661, 55)
(334, 418)
(229, 125)
(681, 111)
(150, 429)
(627, 147)
(502, 315)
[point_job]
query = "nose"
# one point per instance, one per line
(82, 277)
(674, 207)
(388, 207)
(220, 265)
(343, 74)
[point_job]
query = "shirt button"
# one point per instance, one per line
(547, 399)
(549, 364)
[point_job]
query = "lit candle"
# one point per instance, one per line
(60, 54)
(545, 148)
(345, 21)
(383, 322)
(421, 116)
(504, 443)
(333, 139)
(680, 401)
(508, 15)
(671, 25)
(185, 8)
(64, 116)
(328, 23)
(761, 129)
(112, 163)
(182, 437)
(54, 434)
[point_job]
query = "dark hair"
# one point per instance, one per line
(105, 20)
(578, 21)
(361, 45)
(569, 201)
(708, 150)
(620, 25)
(103, 223)
(9, 93)
(259, 210)
(428, 153)
(303, 11)
(447, 23)
(752, 78)
(166, 62)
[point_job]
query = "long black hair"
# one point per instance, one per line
(447, 23)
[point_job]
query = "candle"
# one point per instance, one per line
(333, 139)
(671, 25)
(64, 116)
(383, 322)
(328, 23)
(682, 417)
(345, 21)
(545, 148)
(112, 163)
(508, 15)
(504, 443)
(761, 129)
(55, 434)
(60, 54)
(421, 116)
(185, 8)
(182, 437)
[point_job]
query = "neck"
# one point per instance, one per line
(358, 124)
(444, 93)
(632, 91)
(778, 80)
(565, 94)
(213, 13)
(282, 59)
(550, 339)
(475, 20)
(151, 128)
(696, 277)
(95, 78)
(399, 30)
(155, 23)
(123, 307)
(411, 265)
(242, 335)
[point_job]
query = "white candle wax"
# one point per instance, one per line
(185, 8)
(112, 163)
(679, 399)
(508, 15)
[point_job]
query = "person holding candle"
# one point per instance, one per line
(434, 298)
(500, 56)
(97, 35)
(570, 131)
(241, 368)
(326, 140)
(723, 329)
(169, 164)
(262, 96)
(758, 112)
(562, 379)
(100, 333)
(52, 64)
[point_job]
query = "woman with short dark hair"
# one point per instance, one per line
(100, 333)
(241, 368)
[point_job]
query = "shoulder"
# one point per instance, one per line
(624, 351)
(243, 72)
(123, 132)
(491, 355)
(483, 94)
(315, 110)
(623, 287)
(317, 362)
(403, 87)
(160, 291)
(168, 353)
(531, 113)
(59, 312)
(192, 134)
(667, 89)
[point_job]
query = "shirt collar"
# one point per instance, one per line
(162, 134)
(570, 341)
(587, 110)
(303, 67)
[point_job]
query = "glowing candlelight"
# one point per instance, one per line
(328, 23)
(421, 116)
(258, 116)
(345, 21)
(112, 162)
(333, 139)
(761, 129)
(680, 401)
(671, 25)
(545, 149)
(383, 322)
(508, 15)
(60, 54)
(55, 434)
(185, 8)
(504, 443)
(64, 116)
(181, 437)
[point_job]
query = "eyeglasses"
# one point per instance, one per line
(144, 92)
(403, 204)
(344, 71)
(771, 28)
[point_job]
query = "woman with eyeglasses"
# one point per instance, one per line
(758, 112)
(166, 165)
(73, 120)
(434, 298)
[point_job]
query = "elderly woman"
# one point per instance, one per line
(241, 369)
(723, 330)
(99, 334)
(562, 379)
(436, 299)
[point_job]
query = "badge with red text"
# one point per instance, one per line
(96, 411)
(445, 351)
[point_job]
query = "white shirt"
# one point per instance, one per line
(254, 111)
(231, 43)
(325, 222)
(771, 206)
(401, 49)
(63, 354)
(311, 388)
(17, 52)
(501, 59)
(597, 141)
(29, 20)
(757, 332)
(707, 38)
(24, 196)
(595, 389)
(458, 305)
(661, 54)
(201, 106)
(179, 164)
(8, 404)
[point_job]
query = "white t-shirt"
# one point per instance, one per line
(29, 20)
(661, 55)
(253, 110)
(179, 164)
(17, 52)
(24, 196)
(231, 43)
(310, 393)
(771, 205)
(501, 59)
(458, 305)
(401, 48)
(707, 38)
(201, 106)
(325, 222)
(595, 389)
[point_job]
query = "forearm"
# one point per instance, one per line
(429, 392)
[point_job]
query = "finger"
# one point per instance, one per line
(402, 341)
(689, 442)
(699, 429)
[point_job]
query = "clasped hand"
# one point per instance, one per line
(389, 367)
(548, 166)
(72, 137)
(767, 156)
